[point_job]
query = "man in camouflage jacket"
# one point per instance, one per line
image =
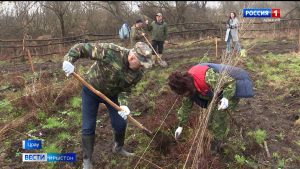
(115, 70)
(137, 33)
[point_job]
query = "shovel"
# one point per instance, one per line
(162, 141)
(98, 93)
(164, 63)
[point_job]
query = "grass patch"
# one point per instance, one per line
(54, 122)
(51, 148)
(64, 136)
(76, 102)
(259, 136)
(280, 70)
(5, 106)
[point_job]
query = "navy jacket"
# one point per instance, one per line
(244, 86)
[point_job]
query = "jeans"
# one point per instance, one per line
(237, 46)
(90, 104)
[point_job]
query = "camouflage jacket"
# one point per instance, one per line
(110, 73)
(136, 35)
(211, 78)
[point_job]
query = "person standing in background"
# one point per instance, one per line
(232, 25)
(159, 30)
(137, 33)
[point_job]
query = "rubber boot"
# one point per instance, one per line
(88, 148)
(118, 142)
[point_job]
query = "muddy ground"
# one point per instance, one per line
(262, 111)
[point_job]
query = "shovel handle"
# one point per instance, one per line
(152, 47)
(138, 124)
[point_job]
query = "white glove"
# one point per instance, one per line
(224, 104)
(68, 68)
(178, 132)
(125, 112)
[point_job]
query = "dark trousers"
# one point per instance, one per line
(158, 46)
(90, 104)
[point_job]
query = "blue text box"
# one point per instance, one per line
(32, 144)
(34, 157)
(257, 12)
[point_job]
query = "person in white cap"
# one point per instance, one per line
(159, 30)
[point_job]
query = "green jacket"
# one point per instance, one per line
(159, 30)
(211, 78)
(136, 35)
(110, 73)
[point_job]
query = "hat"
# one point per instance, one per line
(158, 14)
(139, 21)
(143, 53)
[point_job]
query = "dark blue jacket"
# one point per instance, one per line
(244, 87)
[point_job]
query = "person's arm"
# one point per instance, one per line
(123, 96)
(165, 31)
(228, 85)
(150, 26)
(182, 115)
(138, 35)
(95, 51)
(228, 24)
(185, 109)
(235, 24)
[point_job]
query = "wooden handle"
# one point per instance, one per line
(152, 47)
(138, 124)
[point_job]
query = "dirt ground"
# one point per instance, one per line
(261, 111)
(258, 112)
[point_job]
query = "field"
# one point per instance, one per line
(47, 105)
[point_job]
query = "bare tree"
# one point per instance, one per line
(180, 10)
(116, 8)
(59, 8)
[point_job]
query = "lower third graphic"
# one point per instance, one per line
(49, 157)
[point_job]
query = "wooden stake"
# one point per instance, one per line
(30, 60)
(267, 149)
(299, 42)
(216, 47)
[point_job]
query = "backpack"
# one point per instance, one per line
(124, 31)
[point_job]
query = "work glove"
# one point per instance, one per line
(125, 112)
(243, 53)
(224, 104)
(68, 68)
(178, 132)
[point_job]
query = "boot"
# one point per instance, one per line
(88, 148)
(161, 62)
(154, 60)
(216, 147)
(118, 142)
